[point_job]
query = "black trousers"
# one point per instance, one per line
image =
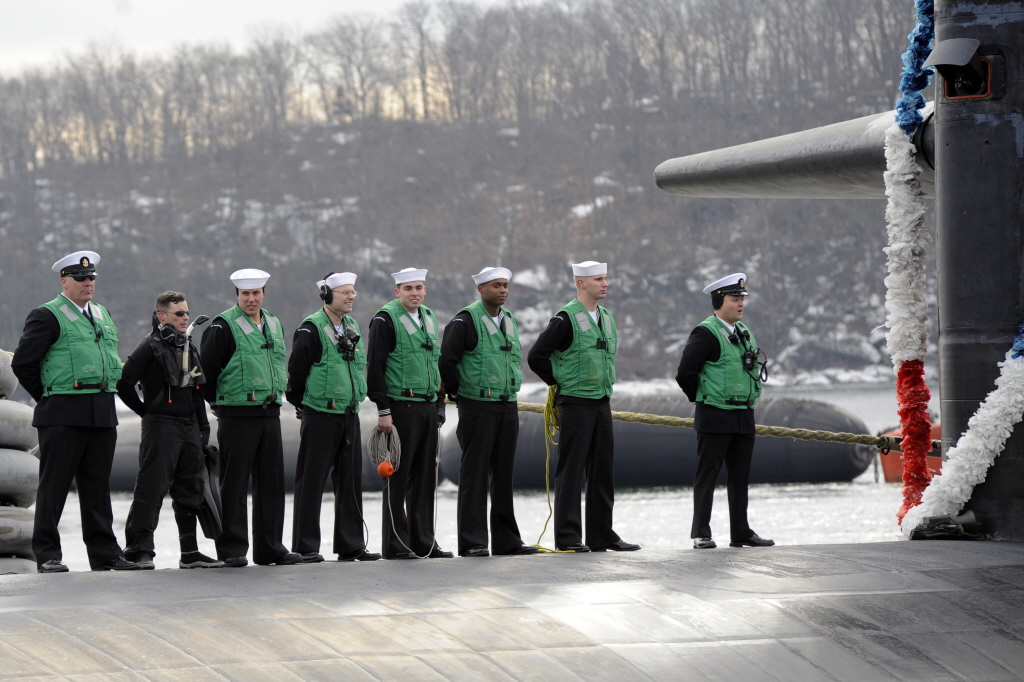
(735, 451)
(488, 440)
(409, 492)
(82, 454)
(170, 459)
(251, 447)
(329, 445)
(586, 453)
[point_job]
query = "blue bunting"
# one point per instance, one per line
(915, 78)
(1018, 343)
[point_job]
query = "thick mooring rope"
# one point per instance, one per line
(886, 443)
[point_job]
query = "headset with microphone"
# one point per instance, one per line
(326, 293)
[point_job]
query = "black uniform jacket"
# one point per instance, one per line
(307, 350)
(380, 344)
(217, 347)
(157, 397)
(558, 335)
(702, 346)
(91, 409)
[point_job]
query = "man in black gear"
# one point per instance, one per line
(326, 384)
(175, 430)
(77, 355)
(719, 372)
(488, 428)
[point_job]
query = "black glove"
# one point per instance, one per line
(440, 413)
(453, 399)
(211, 454)
(298, 413)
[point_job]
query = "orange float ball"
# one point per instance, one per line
(385, 469)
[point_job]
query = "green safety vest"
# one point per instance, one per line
(412, 372)
(724, 383)
(587, 368)
(84, 358)
(491, 370)
(255, 374)
(337, 380)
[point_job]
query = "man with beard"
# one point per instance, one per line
(67, 361)
(576, 352)
(243, 357)
(404, 382)
(326, 383)
(480, 358)
(174, 431)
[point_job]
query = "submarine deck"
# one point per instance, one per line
(899, 610)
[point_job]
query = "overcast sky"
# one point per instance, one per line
(39, 32)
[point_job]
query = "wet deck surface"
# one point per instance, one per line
(905, 611)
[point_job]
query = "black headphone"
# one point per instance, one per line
(326, 293)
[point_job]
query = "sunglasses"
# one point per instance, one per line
(176, 313)
(82, 278)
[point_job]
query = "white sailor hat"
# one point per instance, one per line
(77, 263)
(589, 268)
(489, 274)
(732, 285)
(337, 279)
(249, 278)
(409, 275)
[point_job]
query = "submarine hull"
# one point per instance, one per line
(647, 456)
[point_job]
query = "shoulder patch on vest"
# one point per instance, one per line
(409, 325)
(245, 325)
(584, 321)
(67, 312)
(430, 324)
(273, 324)
(332, 334)
(97, 313)
(489, 323)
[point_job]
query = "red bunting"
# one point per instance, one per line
(912, 396)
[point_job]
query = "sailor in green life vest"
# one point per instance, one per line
(67, 361)
(480, 358)
(326, 384)
(403, 380)
(721, 371)
(577, 352)
(243, 356)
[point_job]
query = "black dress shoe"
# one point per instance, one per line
(120, 564)
(144, 561)
(704, 543)
(290, 559)
(363, 555)
(577, 547)
(401, 556)
(52, 566)
(236, 562)
(754, 540)
(312, 557)
(475, 551)
(438, 553)
(197, 559)
(619, 546)
(524, 549)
